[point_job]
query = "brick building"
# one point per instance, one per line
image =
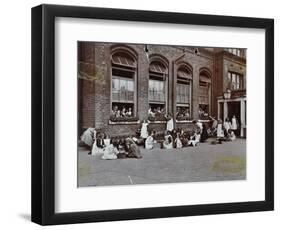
(186, 82)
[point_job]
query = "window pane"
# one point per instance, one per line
(156, 90)
(122, 90)
(234, 81)
(183, 93)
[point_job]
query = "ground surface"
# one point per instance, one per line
(206, 162)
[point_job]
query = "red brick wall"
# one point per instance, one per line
(86, 90)
(95, 104)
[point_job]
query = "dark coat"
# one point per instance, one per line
(100, 143)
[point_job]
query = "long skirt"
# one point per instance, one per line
(96, 151)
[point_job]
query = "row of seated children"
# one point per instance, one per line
(175, 139)
(116, 148)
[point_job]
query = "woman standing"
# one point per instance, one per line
(204, 134)
(170, 123)
(144, 131)
(234, 124)
(220, 132)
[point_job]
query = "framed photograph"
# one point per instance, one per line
(143, 114)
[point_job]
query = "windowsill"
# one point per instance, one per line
(191, 121)
(157, 122)
(123, 122)
(184, 121)
(204, 120)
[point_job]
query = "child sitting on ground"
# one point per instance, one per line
(168, 142)
(194, 139)
(149, 141)
(178, 142)
(110, 152)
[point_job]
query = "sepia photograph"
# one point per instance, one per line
(151, 114)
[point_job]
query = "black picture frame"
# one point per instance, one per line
(43, 114)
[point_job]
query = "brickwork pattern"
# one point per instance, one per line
(95, 98)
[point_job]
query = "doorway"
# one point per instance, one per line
(234, 109)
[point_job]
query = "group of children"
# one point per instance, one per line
(173, 138)
(124, 112)
(182, 112)
(109, 149)
(156, 112)
(225, 131)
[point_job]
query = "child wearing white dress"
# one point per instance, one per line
(110, 152)
(149, 142)
(220, 132)
(227, 125)
(194, 139)
(178, 142)
(89, 136)
(98, 146)
(170, 123)
(144, 131)
(168, 142)
(232, 136)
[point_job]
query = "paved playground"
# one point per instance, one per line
(205, 162)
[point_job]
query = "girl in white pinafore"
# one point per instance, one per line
(110, 152)
(168, 141)
(98, 146)
(170, 124)
(227, 125)
(220, 133)
(234, 124)
(149, 142)
(195, 139)
(89, 136)
(178, 141)
(144, 132)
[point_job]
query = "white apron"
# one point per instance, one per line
(170, 124)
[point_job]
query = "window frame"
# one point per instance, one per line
(230, 81)
(189, 82)
(165, 79)
(133, 70)
(206, 73)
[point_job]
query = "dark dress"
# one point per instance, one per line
(100, 143)
(134, 151)
(204, 134)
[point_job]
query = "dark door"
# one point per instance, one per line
(234, 109)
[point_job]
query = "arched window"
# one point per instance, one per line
(204, 93)
(183, 90)
(123, 90)
(157, 88)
